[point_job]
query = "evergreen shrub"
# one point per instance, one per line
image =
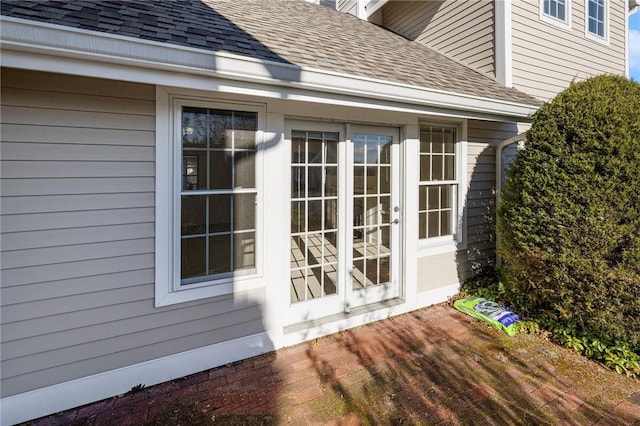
(570, 215)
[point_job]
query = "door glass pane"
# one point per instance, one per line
(330, 279)
(372, 214)
(298, 182)
(298, 217)
(358, 180)
(385, 180)
(358, 149)
(314, 184)
(314, 215)
(331, 181)
(315, 148)
(298, 150)
(331, 214)
(372, 180)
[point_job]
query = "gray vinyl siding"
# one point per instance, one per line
(77, 242)
(463, 30)
(450, 268)
(547, 58)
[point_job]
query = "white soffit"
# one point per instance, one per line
(41, 46)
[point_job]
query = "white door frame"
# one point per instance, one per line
(346, 298)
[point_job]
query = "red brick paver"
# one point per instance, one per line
(432, 366)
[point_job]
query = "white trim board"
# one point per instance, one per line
(74, 393)
(34, 45)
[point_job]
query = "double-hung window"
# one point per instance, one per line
(556, 12)
(440, 186)
(596, 19)
(207, 218)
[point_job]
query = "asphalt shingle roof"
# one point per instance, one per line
(287, 31)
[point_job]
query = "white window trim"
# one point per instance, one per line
(447, 244)
(167, 208)
(595, 37)
(565, 25)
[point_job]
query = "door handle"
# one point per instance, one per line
(396, 221)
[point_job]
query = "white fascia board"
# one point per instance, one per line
(35, 45)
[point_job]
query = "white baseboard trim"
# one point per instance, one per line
(63, 396)
(437, 295)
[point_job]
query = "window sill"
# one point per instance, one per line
(438, 246)
(223, 287)
(564, 25)
(596, 38)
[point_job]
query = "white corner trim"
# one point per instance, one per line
(504, 44)
(63, 396)
(29, 44)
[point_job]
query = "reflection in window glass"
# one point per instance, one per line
(217, 221)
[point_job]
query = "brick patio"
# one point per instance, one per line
(432, 366)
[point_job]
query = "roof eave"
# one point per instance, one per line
(21, 37)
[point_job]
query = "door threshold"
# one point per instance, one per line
(306, 325)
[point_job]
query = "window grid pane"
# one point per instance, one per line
(596, 17)
(555, 9)
(314, 215)
(218, 194)
(438, 187)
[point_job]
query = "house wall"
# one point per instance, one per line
(77, 219)
(455, 267)
(547, 58)
(463, 30)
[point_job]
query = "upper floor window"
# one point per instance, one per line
(556, 12)
(556, 9)
(596, 18)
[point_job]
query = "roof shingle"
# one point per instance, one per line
(286, 31)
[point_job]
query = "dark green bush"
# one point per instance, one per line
(570, 217)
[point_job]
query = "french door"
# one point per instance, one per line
(345, 218)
